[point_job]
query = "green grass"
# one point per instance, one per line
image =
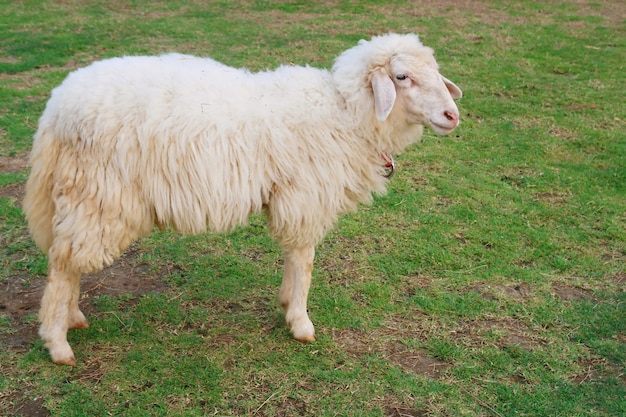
(489, 281)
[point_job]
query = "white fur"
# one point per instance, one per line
(192, 144)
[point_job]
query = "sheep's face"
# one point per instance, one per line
(411, 88)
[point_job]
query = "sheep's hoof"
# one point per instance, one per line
(78, 320)
(61, 353)
(303, 330)
(306, 339)
(79, 325)
(71, 361)
(63, 359)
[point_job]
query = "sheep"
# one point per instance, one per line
(189, 143)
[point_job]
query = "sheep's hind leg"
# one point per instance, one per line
(284, 296)
(77, 319)
(56, 314)
(295, 290)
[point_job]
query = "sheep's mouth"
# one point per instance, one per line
(442, 129)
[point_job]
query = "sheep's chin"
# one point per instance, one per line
(440, 129)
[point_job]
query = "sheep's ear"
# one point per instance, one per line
(384, 94)
(454, 90)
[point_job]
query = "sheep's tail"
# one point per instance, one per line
(38, 204)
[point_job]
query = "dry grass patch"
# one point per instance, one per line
(559, 199)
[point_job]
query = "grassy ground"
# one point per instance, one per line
(489, 281)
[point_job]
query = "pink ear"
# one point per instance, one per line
(384, 94)
(455, 91)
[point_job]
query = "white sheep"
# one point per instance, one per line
(191, 144)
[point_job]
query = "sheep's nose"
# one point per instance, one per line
(453, 117)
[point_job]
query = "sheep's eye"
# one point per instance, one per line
(401, 77)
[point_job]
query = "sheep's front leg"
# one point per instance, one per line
(59, 311)
(295, 290)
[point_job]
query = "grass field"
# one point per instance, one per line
(489, 281)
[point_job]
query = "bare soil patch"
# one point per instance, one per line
(569, 293)
(595, 369)
(402, 411)
(612, 11)
(13, 191)
(415, 360)
(502, 333)
(457, 10)
(359, 344)
(519, 291)
(13, 164)
(20, 296)
(34, 408)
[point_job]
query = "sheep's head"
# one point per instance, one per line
(412, 88)
(396, 79)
